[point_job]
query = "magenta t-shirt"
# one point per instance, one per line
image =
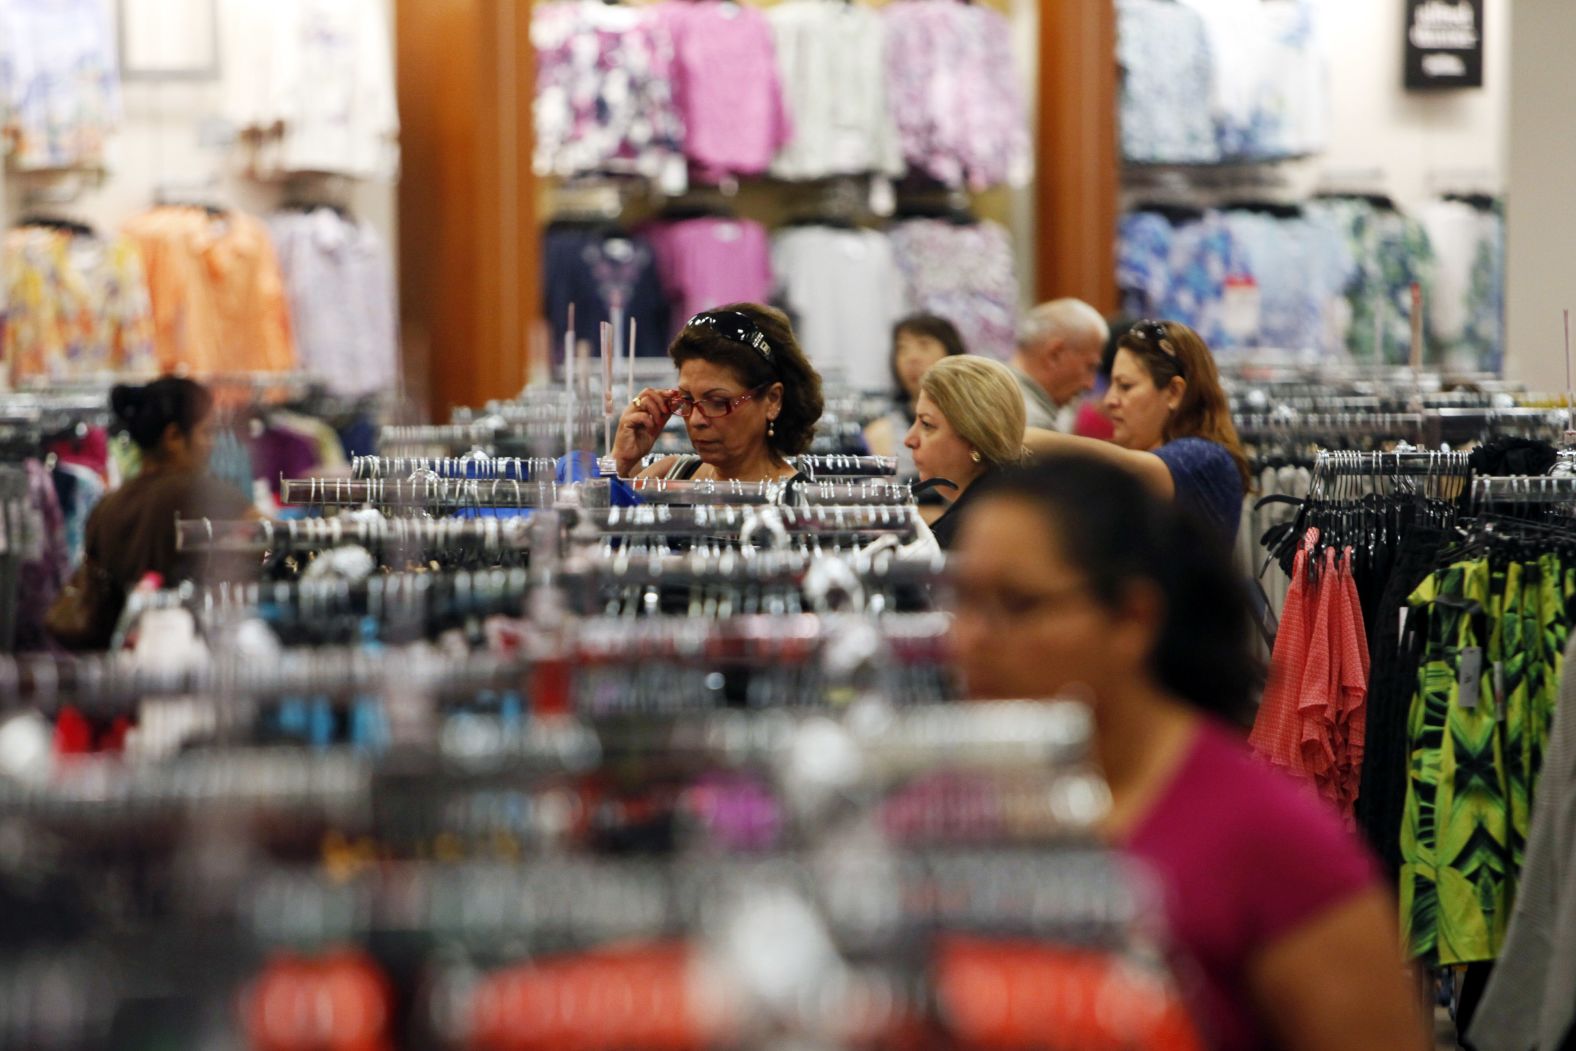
(1244, 856)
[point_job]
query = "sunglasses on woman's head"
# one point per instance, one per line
(735, 326)
(1154, 332)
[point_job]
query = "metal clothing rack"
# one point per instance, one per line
(525, 469)
(813, 465)
(407, 494)
(405, 535)
(1338, 424)
(1523, 490)
(714, 491)
(1342, 475)
(116, 682)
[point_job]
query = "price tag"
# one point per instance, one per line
(883, 199)
(1242, 308)
(1469, 677)
(674, 180)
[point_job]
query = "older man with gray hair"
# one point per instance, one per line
(1058, 355)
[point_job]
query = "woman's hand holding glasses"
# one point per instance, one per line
(643, 420)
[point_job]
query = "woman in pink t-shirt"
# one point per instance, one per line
(1073, 580)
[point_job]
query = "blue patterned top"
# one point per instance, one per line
(1207, 482)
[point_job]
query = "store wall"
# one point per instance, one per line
(1419, 141)
(173, 133)
(1541, 223)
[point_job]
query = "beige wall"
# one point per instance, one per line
(1541, 233)
(167, 135)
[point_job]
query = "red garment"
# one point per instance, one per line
(1092, 423)
(1277, 730)
(1313, 716)
(1244, 858)
(90, 451)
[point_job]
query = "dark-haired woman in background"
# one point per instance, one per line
(131, 532)
(918, 342)
(1172, 424)
(1074, 579)
(749, 398)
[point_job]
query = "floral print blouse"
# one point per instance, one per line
(78, 306)
(604, 96)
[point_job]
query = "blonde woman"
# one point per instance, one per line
(968, 421)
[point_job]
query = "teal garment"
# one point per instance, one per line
(1390, 253)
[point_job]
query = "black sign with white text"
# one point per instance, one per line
(1444, 43)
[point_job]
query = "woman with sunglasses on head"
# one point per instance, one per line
(747, 393)
(1172, 422)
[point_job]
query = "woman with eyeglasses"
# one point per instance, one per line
(747, 393)
(1172, 424)
(1074, 580)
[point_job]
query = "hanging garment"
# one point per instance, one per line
(59, 83)
(1396, 645)
(79, 489)
(40, 537)
(1168, 84)
(1528, 1002)
(955, 94)
(1465, 313)
(1298, 270)
(77, 306)
(1206, 262)
(1311, 721)
(845, 291)
(1270, 84)
(832, 58)
(604, 90)
(595, 269)
(964, 274)
(311, 85)
(1143, 262)
(1495, 638)
(726, 87)
(1391, 252)
(706, 262)
(339, 281)
(217, 294)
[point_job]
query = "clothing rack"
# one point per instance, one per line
(444, 493)
(525, 469)
(1063, 895)
(315, 534)
(889, 744)
(499, 535)
(114, 682)
(1459, 425)
(667, 519)
(1522, 490)
(814, 466)
(1342, 424)
(714, 491)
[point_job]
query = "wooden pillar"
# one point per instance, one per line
(1077, 164)
(469, 261)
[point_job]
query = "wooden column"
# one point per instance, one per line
(1077, 175)
(469, 261)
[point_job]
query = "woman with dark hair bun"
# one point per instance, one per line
(748, 395)
(131, 532)
(1074, 579)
